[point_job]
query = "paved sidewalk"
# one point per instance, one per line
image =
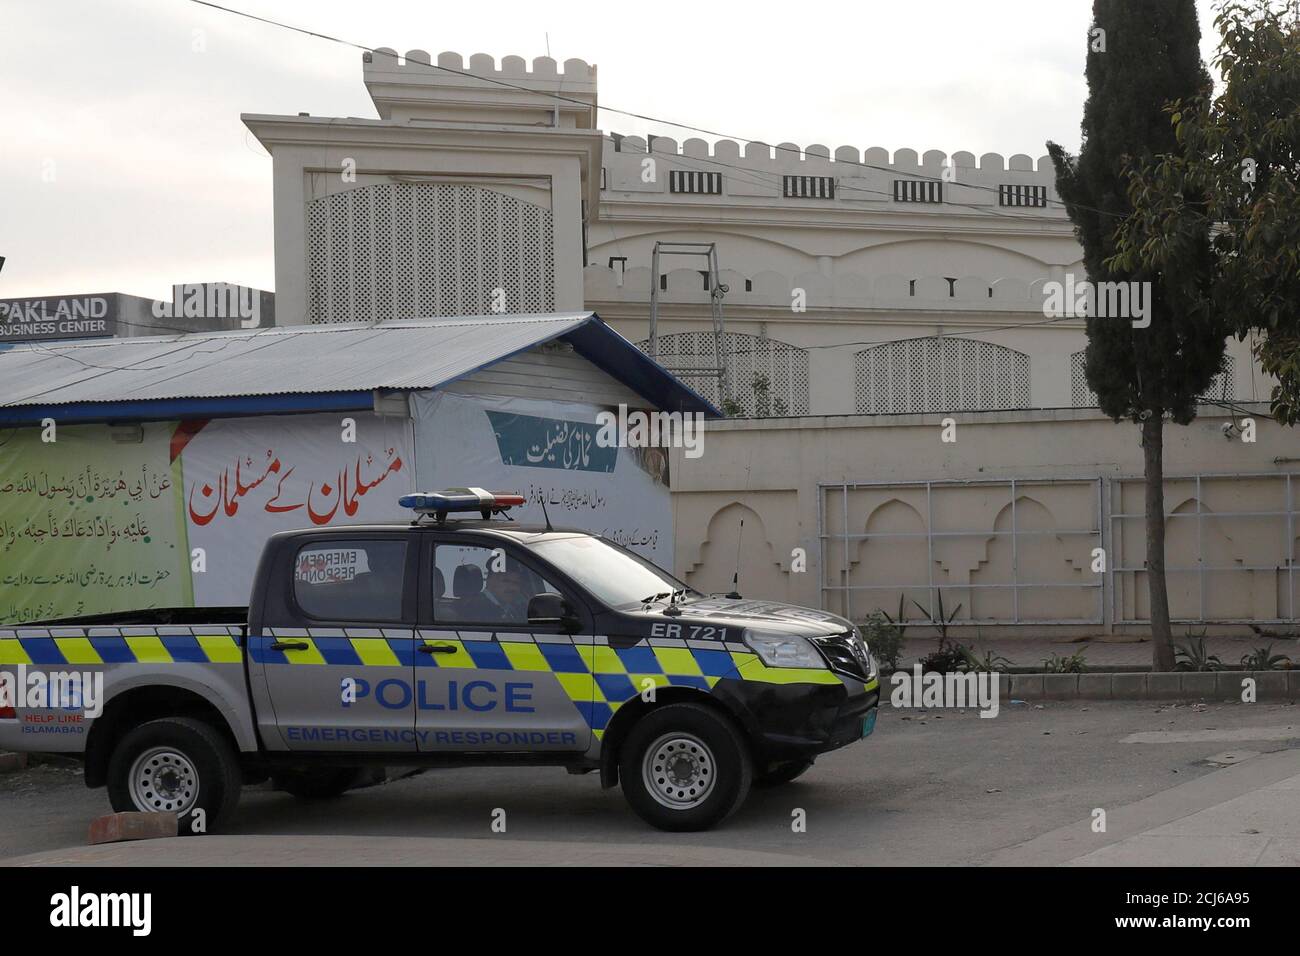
(1247, 814)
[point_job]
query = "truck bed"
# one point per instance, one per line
(91, 644)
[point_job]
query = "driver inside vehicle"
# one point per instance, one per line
(507, 592)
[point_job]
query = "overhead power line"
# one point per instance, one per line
(497, 81)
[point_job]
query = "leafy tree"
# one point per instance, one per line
(1141, 56)
(1236, 177)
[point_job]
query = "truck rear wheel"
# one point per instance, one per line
(684, 767)
(176, 765)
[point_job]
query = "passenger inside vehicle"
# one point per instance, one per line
(471, 604)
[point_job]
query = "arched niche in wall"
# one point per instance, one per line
(1228, 547)
(1037, 556)
(762, 573)
(892, 562)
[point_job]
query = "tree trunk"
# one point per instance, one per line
(1162, 646)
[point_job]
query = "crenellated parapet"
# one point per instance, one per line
(759, 170)
(417, 85)
(418, 65)
(794, 154)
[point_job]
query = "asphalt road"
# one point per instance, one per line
(927, 788)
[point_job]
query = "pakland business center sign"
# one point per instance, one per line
(72, 317)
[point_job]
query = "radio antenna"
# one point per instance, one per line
(542, 501)
(735, 578)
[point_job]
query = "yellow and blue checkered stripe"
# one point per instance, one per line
(353, 647)
(597, 677)
(91, 646)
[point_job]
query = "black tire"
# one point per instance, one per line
(324, 783)
(213, 768)
(780, 773)
(723, 762)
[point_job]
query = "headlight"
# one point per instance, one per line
(783, 650)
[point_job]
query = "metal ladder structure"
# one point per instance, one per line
(716, 290)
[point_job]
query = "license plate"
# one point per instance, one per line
(869, 724)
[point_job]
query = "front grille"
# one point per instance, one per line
(845, 652)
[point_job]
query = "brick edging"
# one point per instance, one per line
(1272, 686)
(12, 763)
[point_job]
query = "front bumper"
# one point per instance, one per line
(799, 721)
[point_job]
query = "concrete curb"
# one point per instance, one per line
(1270, 686)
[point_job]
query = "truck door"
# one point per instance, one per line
(485, 679)
(337, 663)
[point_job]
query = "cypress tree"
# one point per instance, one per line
(1140, 57)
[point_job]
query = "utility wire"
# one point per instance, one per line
(632, 114)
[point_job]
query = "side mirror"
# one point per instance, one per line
(551, 610)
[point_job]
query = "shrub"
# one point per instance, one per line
(1194, 656)
(885, 638)
(1263, 659)
(1058, 664)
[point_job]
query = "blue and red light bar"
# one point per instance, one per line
(442, 503)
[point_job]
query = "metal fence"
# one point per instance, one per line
(1006, 551)
(1230, 549)
(1026, 550)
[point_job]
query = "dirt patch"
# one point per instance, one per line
(43, 774)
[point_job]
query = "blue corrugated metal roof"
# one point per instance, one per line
(224, 373)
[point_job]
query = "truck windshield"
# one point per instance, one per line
(620, 579)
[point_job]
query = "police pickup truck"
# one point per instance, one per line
(445, 643)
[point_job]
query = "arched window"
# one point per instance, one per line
(940, 374)
(766, 378)
(1222, 389)
(418, 250)
(1081, 395)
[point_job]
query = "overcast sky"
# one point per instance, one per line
(124, 166)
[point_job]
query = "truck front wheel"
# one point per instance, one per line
(684, 767)
(176, 765)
